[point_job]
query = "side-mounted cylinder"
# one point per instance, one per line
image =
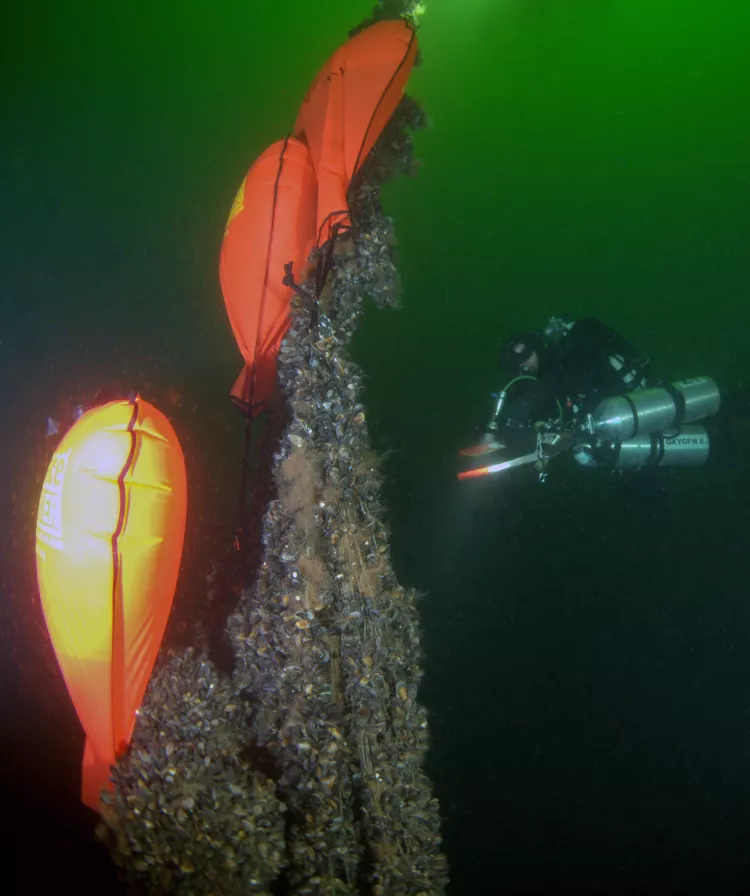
(688, 446)
(655, 410)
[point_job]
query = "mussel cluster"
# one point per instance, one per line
(302, 773)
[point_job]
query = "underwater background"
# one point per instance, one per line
(587, 642)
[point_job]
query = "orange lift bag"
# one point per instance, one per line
(272, 223)
(109, 535)
(347, 107)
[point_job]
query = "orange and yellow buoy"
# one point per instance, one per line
(109, 536)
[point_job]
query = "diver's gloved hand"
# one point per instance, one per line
(518, 440)
(492, 440)
(487, 444)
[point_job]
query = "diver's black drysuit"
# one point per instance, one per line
(584, 363)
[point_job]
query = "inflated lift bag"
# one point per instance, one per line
(109, 536)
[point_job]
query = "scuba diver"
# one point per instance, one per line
(580, 388)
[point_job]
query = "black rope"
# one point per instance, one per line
(242, 510)
(321, 275)
(117, 612)
(242, 538)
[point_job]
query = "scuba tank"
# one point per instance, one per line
(685, 447)
(656, 410)
(688, 446)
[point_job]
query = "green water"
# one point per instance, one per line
(586, 665)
